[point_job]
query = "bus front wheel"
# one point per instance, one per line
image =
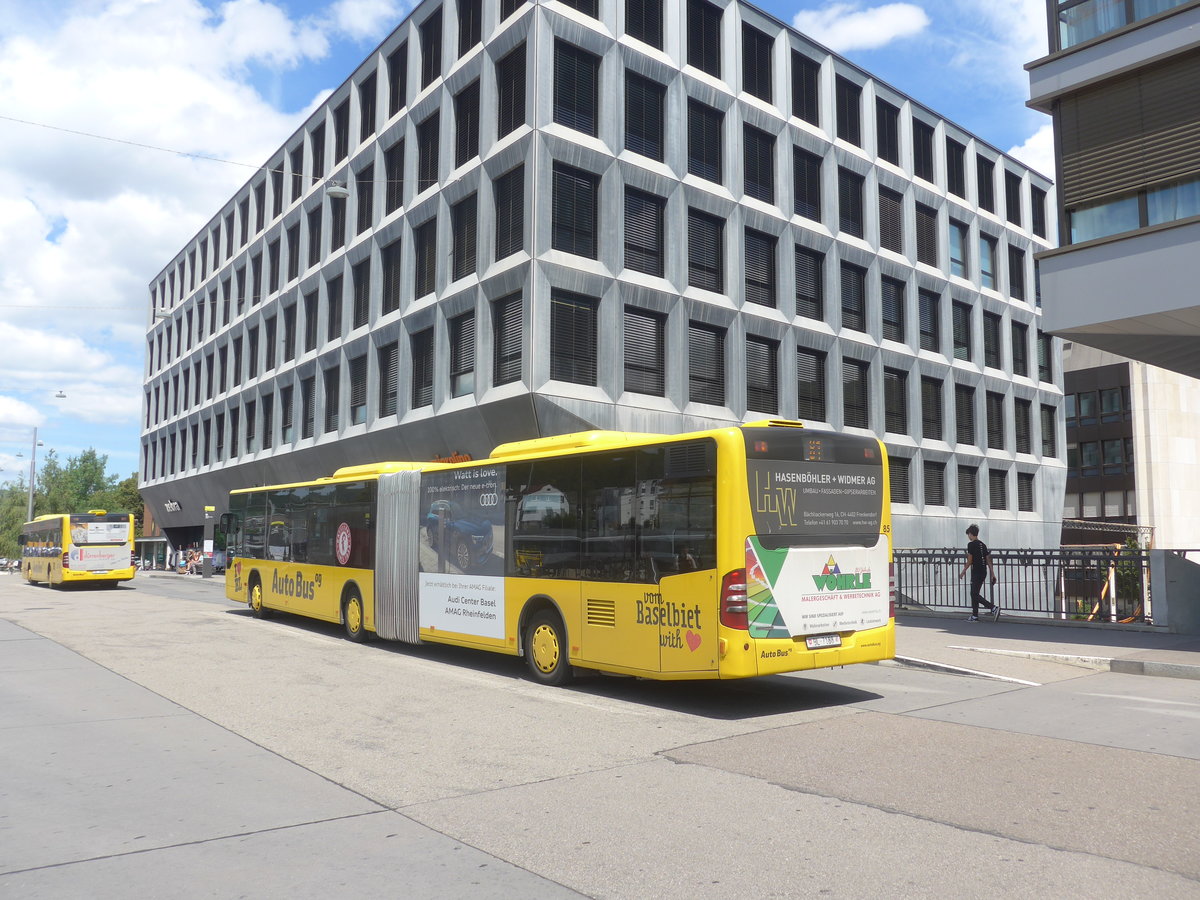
(546, 648)
(352, 617)
(257, 608)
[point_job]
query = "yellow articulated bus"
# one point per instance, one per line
(741, 551)
(95, 547)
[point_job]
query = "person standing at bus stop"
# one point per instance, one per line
(979, 564)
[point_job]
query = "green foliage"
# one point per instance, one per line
(76, 487)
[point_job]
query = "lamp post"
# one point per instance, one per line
(32, 471)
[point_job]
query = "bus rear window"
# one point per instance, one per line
(91, 531)
(814, 488)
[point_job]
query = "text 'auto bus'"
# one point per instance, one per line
(78, 548)
(740, 551)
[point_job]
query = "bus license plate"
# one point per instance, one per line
(824, 640)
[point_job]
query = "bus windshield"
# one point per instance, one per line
(813, 489)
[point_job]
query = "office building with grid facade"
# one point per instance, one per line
(519, 219)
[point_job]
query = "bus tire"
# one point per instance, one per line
(353, 618)
(462, 554)
(258, 607)
(546, 648)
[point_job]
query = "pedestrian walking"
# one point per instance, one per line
(979, 564)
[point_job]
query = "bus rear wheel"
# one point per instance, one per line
(546, 648)
(352, 617)
(257, 608)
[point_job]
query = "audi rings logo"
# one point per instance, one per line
(489, 500)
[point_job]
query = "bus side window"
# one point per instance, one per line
(231, 528)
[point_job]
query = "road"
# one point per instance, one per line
(866, 781)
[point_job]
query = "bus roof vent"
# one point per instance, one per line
(378, 468)
(97, 512)
(774, 423)
(579, 440)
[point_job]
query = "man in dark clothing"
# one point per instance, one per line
(979, 563)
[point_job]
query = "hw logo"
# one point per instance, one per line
(832, 578)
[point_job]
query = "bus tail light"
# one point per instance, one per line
(891, 590)
(733, 600)
(66, 561)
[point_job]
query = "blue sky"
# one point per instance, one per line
(86, 223)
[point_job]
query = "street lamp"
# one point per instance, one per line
(32, 470)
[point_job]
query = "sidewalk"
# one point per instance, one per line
(1014, 648)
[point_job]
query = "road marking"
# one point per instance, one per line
(916, 663)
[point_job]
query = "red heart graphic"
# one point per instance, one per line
(693, 640)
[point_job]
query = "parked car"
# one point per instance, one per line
(465, 539)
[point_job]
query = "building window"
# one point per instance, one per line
(991, 340)
(644, 103)
(358, 390)
(425, 262)
(470, 25)
(756, 62)
(898, 479)
(927, 235)
(431, 48)
(337, 228)
(985, 176)
(810, 385)
(463, 217)
(296, 164)
(645, 361)
(644, 232)
(573, 351)
(508, 7)
(573, 212)
(987, 261)
(584, 6)
(289, 333)
(462, 355)
(361, 276)
(366, 107)
(421, 345)
(956, 168)
(964, 414)
(760, 268)
(850, 202)
(308, 406)
(1049, 431)
(1020, 349)
(887, 131)
(1016, 272)
(1012, 197)
(848, 98)
(389, 258)
(958, 249)
(995, 420)
(1025, 492)
(806, 79)
(333, 386)
(706, 364)
(293, 258)
(891, 220)
(506, 340)
(922, 150)
(269, 339)
(576, 87)
(962, 330)
(706, 251)
(389, 378)
(364, 183)
(806, 177)
(998, 488)
(393, 167)
(762, 374)
(333, 300)
(428, 142)
(644, 21)
(1037, 206)
(268, 421)
(341, 131)
(759, 153)
(272, 268)
(466, 124)
(510, 92)
(968, 486)
(260, 219)
(854, 297)
(704, 36)
(810, 283)
(931, 408)
(1045, 369)
(895, 401)
(509, 192)
(397, 70)
(704, 141)
(892, 297)
(1023, 424)
(855, 393)
(935, 483)
(310, 321)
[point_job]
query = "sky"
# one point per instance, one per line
(125, 125)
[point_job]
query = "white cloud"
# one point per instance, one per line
(995, 40)
(1037, 151)
(845, 26)
(362, 19)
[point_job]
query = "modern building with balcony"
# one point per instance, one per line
(1120, 83)
(520, 219)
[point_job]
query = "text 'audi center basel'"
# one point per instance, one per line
(521, 219)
